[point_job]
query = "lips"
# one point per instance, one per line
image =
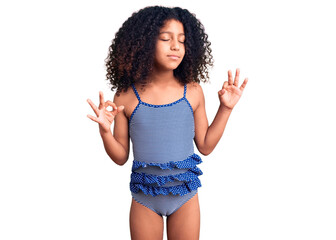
(173, 56)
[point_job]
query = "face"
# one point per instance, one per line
(170, 50)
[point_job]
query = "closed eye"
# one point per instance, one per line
(166, 40)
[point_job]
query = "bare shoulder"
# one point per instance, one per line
(128, 100)
(195, 95)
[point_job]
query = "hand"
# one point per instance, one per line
(104, 117)
(230, 93)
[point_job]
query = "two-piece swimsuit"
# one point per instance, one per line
(164, 172)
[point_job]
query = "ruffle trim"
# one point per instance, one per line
(190, 162)
(146, 179)
(181, 190)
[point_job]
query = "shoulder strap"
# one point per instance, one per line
(185, 90)
(136, 92)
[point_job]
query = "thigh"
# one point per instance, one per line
(185, 222)
(145, 224)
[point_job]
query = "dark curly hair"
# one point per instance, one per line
(131, 55)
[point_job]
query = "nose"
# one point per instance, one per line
(175, 45)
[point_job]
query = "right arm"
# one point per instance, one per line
(116, 144)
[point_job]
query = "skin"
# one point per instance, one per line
(164, 88)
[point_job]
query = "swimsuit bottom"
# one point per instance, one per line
(165, 187)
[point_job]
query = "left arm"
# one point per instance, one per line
(207, 137)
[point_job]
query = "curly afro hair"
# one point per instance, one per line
(131, 55)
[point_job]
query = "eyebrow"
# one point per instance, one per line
(171, 33)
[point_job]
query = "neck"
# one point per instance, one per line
(162, 77)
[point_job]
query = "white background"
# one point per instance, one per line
(271, 176)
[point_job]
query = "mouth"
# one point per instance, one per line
(173, 57)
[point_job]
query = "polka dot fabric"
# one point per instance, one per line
(142, 181)
(190, 162)
(181, 190)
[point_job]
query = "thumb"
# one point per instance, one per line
(221, 92)
(120, 108)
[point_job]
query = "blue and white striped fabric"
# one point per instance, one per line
(164, 173)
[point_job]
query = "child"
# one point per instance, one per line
(156, 62)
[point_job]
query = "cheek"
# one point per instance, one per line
(160, 49)
(182, 50)
(157, 54)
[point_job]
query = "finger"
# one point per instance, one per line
(120, 108)
(108, 114)
(94, 107)
(221, 92)
(236, 81)
(225, 84)
(243, 84)
(93, 118)
(112, 104)
(101, 100)
(230, 77)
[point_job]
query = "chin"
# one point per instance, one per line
(168, 66)
(174, 66)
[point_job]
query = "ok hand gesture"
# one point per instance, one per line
(230, 93)
(104, 117)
